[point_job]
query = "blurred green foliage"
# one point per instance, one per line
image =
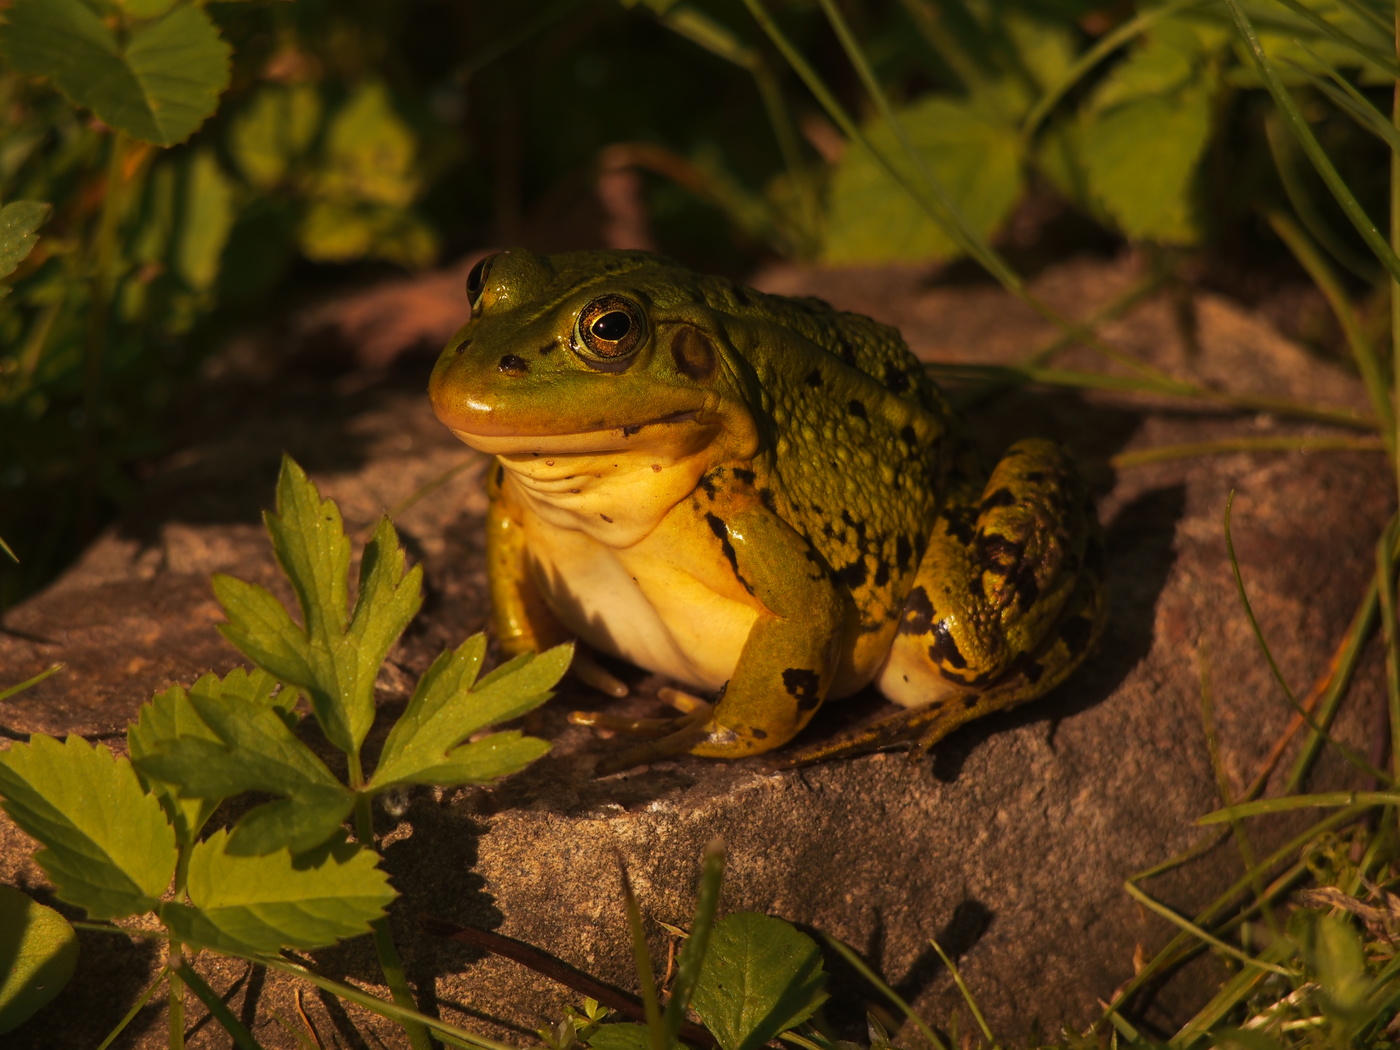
(198, 165)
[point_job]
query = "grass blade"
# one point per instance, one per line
(1364, 354)
(1281, 443)
(136, 1007)
(858, 964)
(965, 991)
(646, 979)
(1158, 908)
(47, 672)
(1340, 190)
(693, 953)
(1322, 799)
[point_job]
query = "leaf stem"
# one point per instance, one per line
(389, 962)
(136, 1007)
(176, 997)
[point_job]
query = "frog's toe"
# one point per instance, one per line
(591, 673)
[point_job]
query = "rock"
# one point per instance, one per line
(1010, 846)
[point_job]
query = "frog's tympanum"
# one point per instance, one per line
(761, 497)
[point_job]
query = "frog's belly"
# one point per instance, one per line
(641, 605)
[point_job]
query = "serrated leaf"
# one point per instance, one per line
(19, 224)
(760, 978)
(622, 1036)
(207, 217)
(38, 953)
(146, 8)
(170, 716)
(449, 705)
(254, 750)
(108, 846)
(159, 85)
(977, 158)
(278, 901)
(335, 658)
(1139, 160)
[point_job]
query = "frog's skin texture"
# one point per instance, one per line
(760, 497)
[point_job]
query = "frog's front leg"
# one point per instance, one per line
(788, 659)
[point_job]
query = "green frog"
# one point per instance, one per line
(762, 498)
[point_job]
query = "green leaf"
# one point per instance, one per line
(108, 846)
(38, 953)
(273, 131)
(19, 223)
(760, 978)
(263, 904)
(252, 749)
(159, 86)
(976, 157)
(1338, 958)
(146, 8)
(1141, 136)
(620, 1037)
(335, 659)
(170, 716)
(340, 231)
(369, 152)
(205, 221)
(449, 705)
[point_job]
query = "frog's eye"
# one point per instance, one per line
(476, 282)
(610, 327)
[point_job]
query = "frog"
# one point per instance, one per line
(761, 498)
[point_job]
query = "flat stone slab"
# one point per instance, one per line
(1010, 846)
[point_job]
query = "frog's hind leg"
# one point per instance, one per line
(1073, 637)
(1008, 599)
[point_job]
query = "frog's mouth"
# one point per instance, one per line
(583, 442)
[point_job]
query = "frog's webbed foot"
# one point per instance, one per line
(662, 737)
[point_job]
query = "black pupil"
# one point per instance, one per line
(612, 326)
(475, 278)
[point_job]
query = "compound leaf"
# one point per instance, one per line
(449, 705)
(760, 978)
(159, 86)
(38, 953)
(248, 746)
(108, 846)
(281, 900)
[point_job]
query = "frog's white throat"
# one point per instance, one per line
(615, 485)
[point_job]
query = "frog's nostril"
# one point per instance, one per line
(513, 365)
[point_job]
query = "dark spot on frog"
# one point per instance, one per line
(971, 701)
(852, 575)
(882, 573)
(606, 518)
(814, 378)
(757, 734)
(545, 350)
(944, 648)
(999, 554)
(1027, 589)
(500, 474)
(896, 379)
(857, 408)
(1032, 671)
(693, 353)
(960, 523)
(918, 613)
(707, 483)
(902, 551)
(1035, 477)
(848, 352)
(1000, 498)
(859, 526)
(804, 686)
(746, 476)
(630, 429)
(907, 435)
(765, 496)
(721, 531)
(656, 468)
